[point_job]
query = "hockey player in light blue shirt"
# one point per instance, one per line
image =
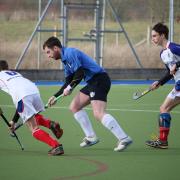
(73, 59)
(78, 66)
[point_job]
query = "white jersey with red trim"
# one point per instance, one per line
(170, 56)
(16, 85)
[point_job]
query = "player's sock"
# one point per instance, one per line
(43, 136)
(163, 133)
(110, 123)
(83, 119)
(42, 121)
(164, 126)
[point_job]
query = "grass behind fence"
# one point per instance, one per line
(117, 53)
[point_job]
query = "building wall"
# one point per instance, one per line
(115, 74)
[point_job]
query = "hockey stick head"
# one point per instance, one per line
(138, 95)
(57, 98)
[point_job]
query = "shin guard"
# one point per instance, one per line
(164, 126)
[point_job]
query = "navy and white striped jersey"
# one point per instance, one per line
(170, 56)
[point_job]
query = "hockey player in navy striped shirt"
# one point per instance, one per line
(170, 56)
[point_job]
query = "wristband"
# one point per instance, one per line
(69, 88)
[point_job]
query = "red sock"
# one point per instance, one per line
(43, 136)
(42, 121)
(163, 133)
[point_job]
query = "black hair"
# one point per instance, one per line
(3, 65)
(51, 42)
(161, 29)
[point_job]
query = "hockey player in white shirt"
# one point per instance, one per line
(28, 103)
(170, 56)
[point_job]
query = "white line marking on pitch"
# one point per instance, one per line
(110, 109)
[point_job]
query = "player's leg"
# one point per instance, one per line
(27, 108)
(40, 134)
(46, 122)
(44, 137)
(108, 121)
(99, 89)
(165, 117)
(164, 120)
(42, 121)
(78, 103)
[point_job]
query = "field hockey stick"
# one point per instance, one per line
(47, 105)
(15, 135)
(60, 96)
(138, 95)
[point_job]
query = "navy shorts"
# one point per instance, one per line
(98, 87)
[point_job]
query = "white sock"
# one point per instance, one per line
(83, 119)
(110, 123)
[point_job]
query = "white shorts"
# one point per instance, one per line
(173, 94)
(29, 106)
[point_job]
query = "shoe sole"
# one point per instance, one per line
(50, 154)
(56, 151)
(120, 150)
(157, 147)
(91, 144)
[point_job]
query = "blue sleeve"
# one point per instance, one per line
(175, 48)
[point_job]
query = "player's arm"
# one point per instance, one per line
(16, 117)
(14, 120)
(165, 78)
(77, 77)
(52, 99)
(66, 83)
(174, 67)
(162, 81)
(71, 81)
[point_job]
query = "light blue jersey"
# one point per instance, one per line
(73, 59)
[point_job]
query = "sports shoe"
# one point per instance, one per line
(157, 144)
(89, 141)
(55, 128)
(123, 144)
(56, 151)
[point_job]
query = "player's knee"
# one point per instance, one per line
(32, 124)
(33, 129)
(98, 115)
(164, 120)
(162, 109)
(73, 108)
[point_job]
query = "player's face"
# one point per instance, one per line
(157, 39)
(53, 53)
